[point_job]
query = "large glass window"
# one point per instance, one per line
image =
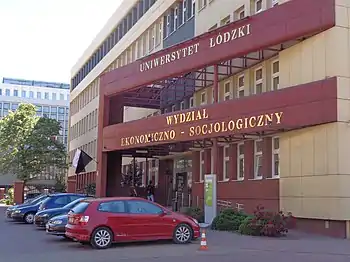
(143, 207)
(112, 207)
(275, 76)
(275, 157)
(258, 145)
(226, 159)
(240, 161)
(258, 84)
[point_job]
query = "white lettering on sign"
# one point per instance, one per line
(214, 41)
(168, 58)
(230, 36)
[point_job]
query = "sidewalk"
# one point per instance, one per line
(294, 242)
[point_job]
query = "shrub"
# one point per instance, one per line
(266, 223)
(195, 212)
(228, 220)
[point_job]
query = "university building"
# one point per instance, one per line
(256, 92)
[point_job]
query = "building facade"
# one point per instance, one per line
(51, 100)
(258, 96)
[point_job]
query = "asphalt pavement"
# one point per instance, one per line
(24, 243)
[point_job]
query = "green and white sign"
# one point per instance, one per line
(209, 198)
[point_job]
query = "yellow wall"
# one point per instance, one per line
(315, 172)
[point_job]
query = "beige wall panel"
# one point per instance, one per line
(307, 153)
(337, 52)
(292, 204)
(332, 148)
(291, 187)
(320, 151)
(345, 3)
(344, 148)
(342, 18)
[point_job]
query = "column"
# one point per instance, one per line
(267, 157)
(249, 159)
(207, 161)
(165, 172)
(18, 192)
(220, 163)
(113, 181)
(233, 166)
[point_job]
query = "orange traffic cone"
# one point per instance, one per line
(203, 241)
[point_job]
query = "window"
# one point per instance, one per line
(62, 200)
(258, 159)
(61, 96)
(112, 207)
(38, 95)
(0, 92)
(227, 91)
(23, 93)
(275, 157)
(202, 166)
(203, 98)
(193, 9)
(176, 15)
(7, 92)
(240, 86)
(275, 75)
(143, 207)
(184, 11)
(274, 3)
(54, 96)
(80, 208)
(182, 105)
(225, 21)
(258, 81)
(240, 14)
(213, 27)
(240, 161)
(202, 4)
(15, 92)
(258, 6)
(173, 108)
(31, 94)
(46, 95)
(226, 168)
(168, 28)
(191, 102)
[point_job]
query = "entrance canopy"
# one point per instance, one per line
(207, 59)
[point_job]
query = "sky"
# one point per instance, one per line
(43, 39)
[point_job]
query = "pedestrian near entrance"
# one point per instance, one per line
(150, 191)
(132, 191)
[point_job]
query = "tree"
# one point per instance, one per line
(28, 147)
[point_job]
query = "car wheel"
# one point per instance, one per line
(102, 238)
(29, 218)
(183, 234)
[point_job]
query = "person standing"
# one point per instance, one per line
(150, 191)
(132, 191)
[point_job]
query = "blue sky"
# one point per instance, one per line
(42, 39)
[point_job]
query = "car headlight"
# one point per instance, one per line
(45, 215)
(17, 211)
(56, 222)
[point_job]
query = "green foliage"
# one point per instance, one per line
(195, 212)
(245, 228)
(228, 220)
(90, 189)
(27, 147)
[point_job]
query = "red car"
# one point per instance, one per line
(103, 221)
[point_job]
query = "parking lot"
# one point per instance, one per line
(21, 242)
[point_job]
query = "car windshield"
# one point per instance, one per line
(73, 203)
(38, 200)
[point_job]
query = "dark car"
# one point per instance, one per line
(57, 225)
(59, 200)
(42, 217)
(32, 201)
(103, 221)
(27, 212)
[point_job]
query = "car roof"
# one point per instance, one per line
(113, 199)
(67, 194)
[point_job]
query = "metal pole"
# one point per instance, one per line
(134, 173)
